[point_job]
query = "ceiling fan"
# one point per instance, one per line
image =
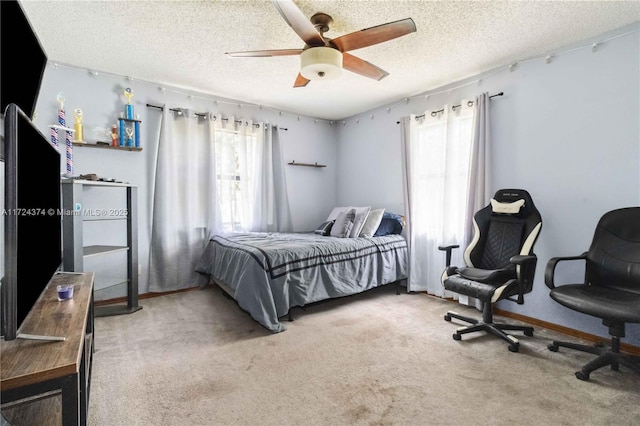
(322, 57)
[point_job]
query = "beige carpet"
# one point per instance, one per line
(195, 358)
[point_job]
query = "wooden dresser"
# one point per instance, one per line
(48, 382)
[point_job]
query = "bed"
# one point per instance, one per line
(270, 273)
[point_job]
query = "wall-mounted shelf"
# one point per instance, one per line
(107, 146)
(293, 163)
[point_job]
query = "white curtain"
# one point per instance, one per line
(480, 191)
(213, 175)
(274, 213)
(251, 174)
(437, 150)
(237, 160)
(184, 199)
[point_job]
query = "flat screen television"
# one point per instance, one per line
(32, 218)
(23, 59)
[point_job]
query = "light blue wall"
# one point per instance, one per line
(311, 193)
(568, 132)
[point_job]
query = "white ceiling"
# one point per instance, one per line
(183, 44)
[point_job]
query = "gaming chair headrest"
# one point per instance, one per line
(516, 202)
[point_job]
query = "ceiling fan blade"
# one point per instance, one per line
(375, 35)
(265, 53)
(362, 67)
(300, 23)
(300, 81)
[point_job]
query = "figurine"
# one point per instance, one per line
(128, 93)
(60, 99)
(129, 131)
(78, 134)
(114, 135)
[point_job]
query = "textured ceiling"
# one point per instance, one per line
(183, 44)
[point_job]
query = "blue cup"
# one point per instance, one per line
(65, 292)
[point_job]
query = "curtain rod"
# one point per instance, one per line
(469, 103)
(204, 115)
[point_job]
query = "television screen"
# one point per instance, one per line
(32, 217)
(22, 59)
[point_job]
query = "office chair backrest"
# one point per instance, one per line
(613, 259)
(508, 226)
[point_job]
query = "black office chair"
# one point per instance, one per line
(500, 263)
(611, 287)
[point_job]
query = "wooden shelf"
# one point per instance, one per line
(96, 250)
(122, 148)
(293, 163)
(104, 218)
(84, 182)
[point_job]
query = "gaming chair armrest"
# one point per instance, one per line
(448, 249)
(527, 265)
(551, 267)
(521, 259)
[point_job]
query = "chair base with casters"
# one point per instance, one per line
(607, 356)
(610, 288)
(593, 298)
(487, 324)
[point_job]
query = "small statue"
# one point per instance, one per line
(114, 135)
(60, 99)
(128, 93)
(129, 131)
(78, 136)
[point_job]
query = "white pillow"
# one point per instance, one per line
(358, 223)
(371, 224)
(343, 224)
(506, 208)
(361, 216)
(334, 213)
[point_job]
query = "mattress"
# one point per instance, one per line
(270, 273)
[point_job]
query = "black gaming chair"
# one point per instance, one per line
(611, 287)
(500, 263)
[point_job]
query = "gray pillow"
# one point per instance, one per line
(343, 224)
(325, 228)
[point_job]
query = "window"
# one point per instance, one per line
(235, 176)
(441, 166)
(440, 149)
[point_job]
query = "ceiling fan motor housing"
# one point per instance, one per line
(323, 58)
(320, 63)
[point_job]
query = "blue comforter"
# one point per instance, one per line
(269, 273)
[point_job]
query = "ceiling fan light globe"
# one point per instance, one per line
(320, 63)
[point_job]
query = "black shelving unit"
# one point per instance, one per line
(75, 251)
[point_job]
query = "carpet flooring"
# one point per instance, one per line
(377, 358)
